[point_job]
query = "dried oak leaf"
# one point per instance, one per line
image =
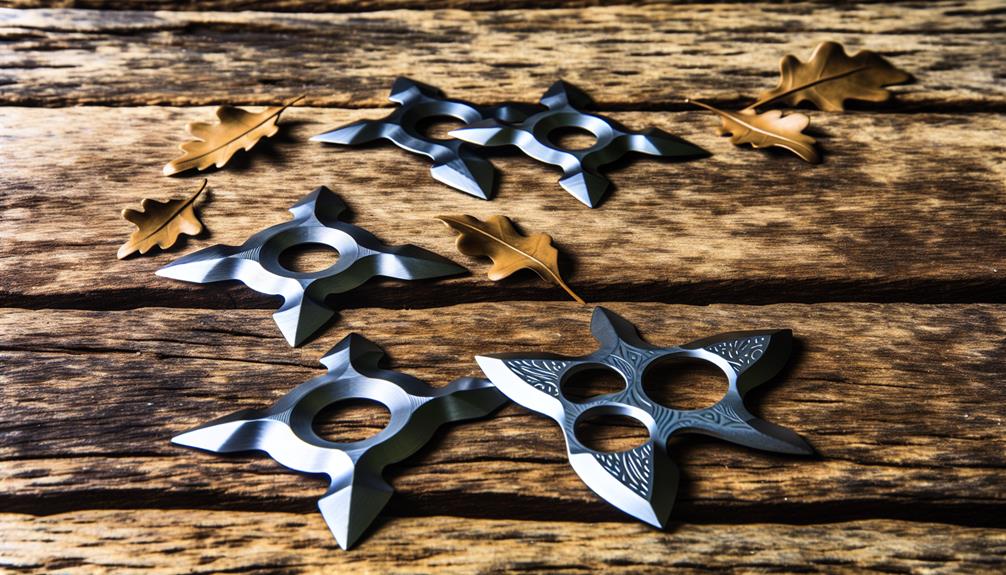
(507, 248)
(160, 223)
(768, 129)
(831, 76)
(215, 144)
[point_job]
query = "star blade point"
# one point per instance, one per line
(356, 493)
(642, 481)
(305, 310)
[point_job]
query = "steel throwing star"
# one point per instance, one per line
(642, 481)
(357, 492)
(454, 162)
(580, 168)
(315, 221)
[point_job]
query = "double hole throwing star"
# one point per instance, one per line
(256, 263)
(454, 162)
(580, 168)
(356, 492)
(643, 481)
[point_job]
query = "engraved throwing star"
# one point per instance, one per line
(454, 162)
(357, 492)
(256, 263)
(580, 168)
(642, 481)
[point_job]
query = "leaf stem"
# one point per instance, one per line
(805, 151)
(765, 102)
(555, 278)
(563, 285)
(706, 106)
(194, 159)
(174, 214)
(191, 200)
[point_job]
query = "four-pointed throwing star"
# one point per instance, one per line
(454, 162)
(357, 492)
(581, 177)
(643, 481)
(316, 221)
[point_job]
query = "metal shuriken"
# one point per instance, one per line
(315, 221)
(454, 162)
(357, 492)
(579, 167)
(642, 481)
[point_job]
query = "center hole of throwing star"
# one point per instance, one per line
(589, 382)
(310, 257)
(351, 420)
(683, 383)
(572, 138)
(438, 127)
(608, 432)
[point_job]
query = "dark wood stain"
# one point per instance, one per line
(886, 260)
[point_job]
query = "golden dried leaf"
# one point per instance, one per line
(509, 249)
(831, 76)
(768, 129)
(215, 144)
(160, 223)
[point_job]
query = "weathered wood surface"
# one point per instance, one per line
(307, 5)
(651, 56)
(890, 395)
(266, 542)
(898, 211)
(902, 400)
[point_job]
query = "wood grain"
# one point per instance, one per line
(892, 396)
(269, 542)
(905, 208)
(901, 399)
(651, 56)
(306, 5)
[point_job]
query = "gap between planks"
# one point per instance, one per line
(895, 398)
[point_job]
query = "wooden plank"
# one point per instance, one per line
(896, 398)
(720, 484)
(650, 56)
(194, 541)
(306, 5)
(896, 212)
(901, 400)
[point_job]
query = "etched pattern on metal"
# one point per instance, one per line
(634, 468)
(740, 353)
(542, 374)
(647, 472)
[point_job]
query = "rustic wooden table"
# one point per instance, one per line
(887, 261)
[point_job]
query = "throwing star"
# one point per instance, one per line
(357, 492)
(581, 177)
(643, 481)
(454, 162)
(316, 221)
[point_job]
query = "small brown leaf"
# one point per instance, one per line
(768, 129)
(215, 144)
(509, 249)
(831, 76)
(160, 223)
